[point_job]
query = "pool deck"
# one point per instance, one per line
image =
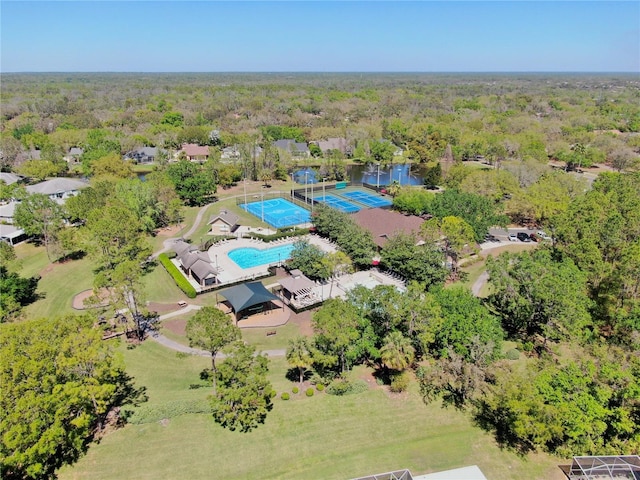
(231, 272)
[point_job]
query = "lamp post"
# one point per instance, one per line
(246, 207)
(306, 199)
(311, 197)
(216, 260)
(324, 197)
(399, 175)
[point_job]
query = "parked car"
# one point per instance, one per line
(513, 237)
(543, 235)
(534, 237)
(491, 238)
(523, 237)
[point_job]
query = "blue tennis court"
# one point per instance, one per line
(337, 203)
(367, 199)
(278, 212)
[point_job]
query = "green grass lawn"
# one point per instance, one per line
(320, 437)
(58, 284)
(160, 287)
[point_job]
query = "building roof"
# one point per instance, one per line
(9, 178)
(296, 282)
(227, 217)
(385, 223)
(247, 295)
(9, 231)
(189, 259)
(203, 269)
(7, 210)
(181, 247)
(75, 151)
(143, 152)
(193, 150)
(339, 144)
(57, 185)
(291, 145)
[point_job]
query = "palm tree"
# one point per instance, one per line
(397, 352)
(298, 355)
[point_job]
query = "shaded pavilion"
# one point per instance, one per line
(296, 286)
(248, 299)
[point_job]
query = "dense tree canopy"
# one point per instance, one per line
(243, 398)
(59, 380)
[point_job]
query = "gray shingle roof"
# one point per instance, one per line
(57, 185)
(227, 217)
(203, 269)
(9, 178)
(291, 145)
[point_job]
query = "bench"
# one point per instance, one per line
(272, 332)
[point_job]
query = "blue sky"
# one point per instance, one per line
(322, 36)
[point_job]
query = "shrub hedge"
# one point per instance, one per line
(281, 233)
(284, 396)
(178, 277)
(344, 387)
(309, 392)
(155, 413)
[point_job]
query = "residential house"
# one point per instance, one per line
(339, 144)
(11, 234)
(224, 223)
(384, 224)
(195, 264)
(195, 153)
(230, 153)
(296, 149)
(142, 155)
(58, 189)
(7, 212)
(30, 155)
(74, 154)
(10, 178)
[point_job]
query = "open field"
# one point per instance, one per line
(58, 284)
(320, 437)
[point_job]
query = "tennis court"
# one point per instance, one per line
(337, 203)
(278, 212)
(367, 199)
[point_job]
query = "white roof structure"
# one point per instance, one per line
(9, 178)
(57, 185)
(465, 473)
(7, 211)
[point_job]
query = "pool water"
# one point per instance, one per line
(252, 257)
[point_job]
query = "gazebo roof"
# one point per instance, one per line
(247, 295)
(296, 283)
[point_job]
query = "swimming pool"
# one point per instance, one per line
(252, 257)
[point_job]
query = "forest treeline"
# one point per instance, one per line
(580, 119)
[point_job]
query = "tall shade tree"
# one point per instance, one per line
(421, 263)
(59, 380)
(194, 183)
(299, 355)
(244, 396)
(336, 331)
(539, 297)
(466, 322)
(115, 235)
(210, 329)
(397, 353)
(42, 217)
